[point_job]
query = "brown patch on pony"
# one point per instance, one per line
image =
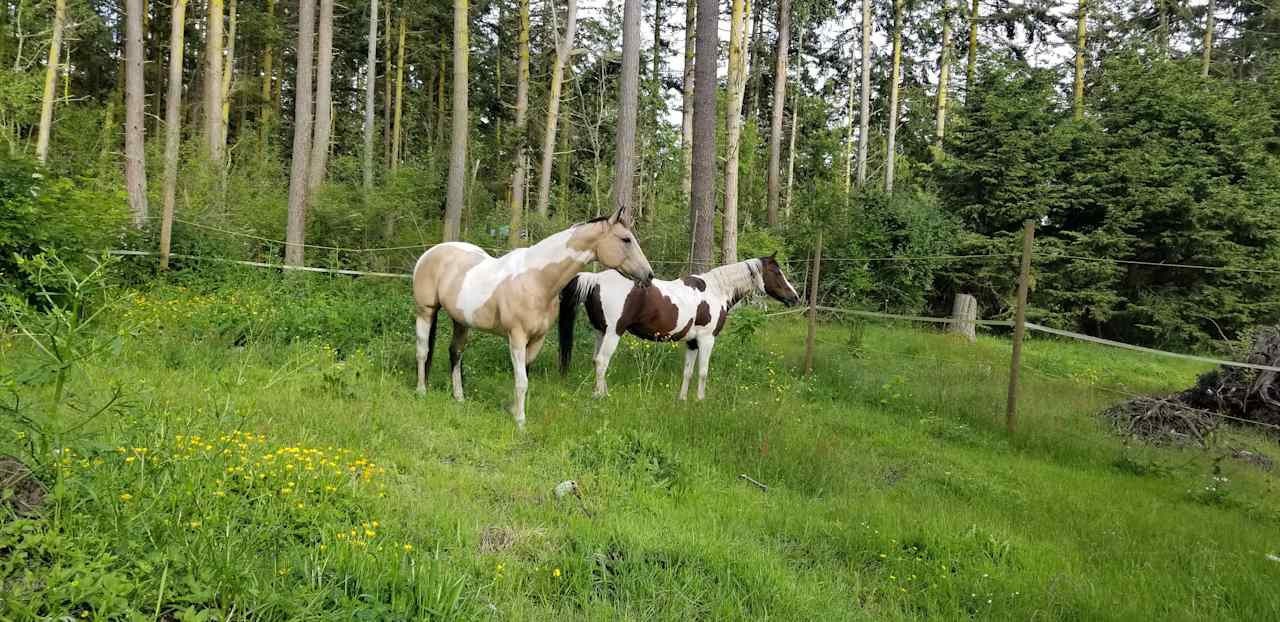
(703, 317)
(595, 309)
(724, 314)
(695, 282)
(650, 315)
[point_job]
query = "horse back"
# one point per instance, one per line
(438, 275)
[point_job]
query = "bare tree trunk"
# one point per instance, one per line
(944, 77)
(324, 99)
(295, 232)
(655, 98)
(1077, 99)
(396, 127)
(172, 127)
(733, 127)
(564, 175)
(971, 64)
(686, 133)
(1208, 38)
(553, 106)
(628, 94)
(440, 107)
(522, 126)
(213, 84)
(228, 69)
(51, 80)
(458, 142)
(753, 76)
(891, 140)
(864, 115)
(779, 104)
(704, 135)
(370, 89)
(791, 148)
(386, 89)
(135, 102)
(268, 62)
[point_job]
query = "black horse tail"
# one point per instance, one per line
(570, 298)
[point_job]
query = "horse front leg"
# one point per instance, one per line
(518, 344)
(704, 364)
(604, 353)
(690, 357)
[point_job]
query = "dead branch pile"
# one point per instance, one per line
(1186, 418)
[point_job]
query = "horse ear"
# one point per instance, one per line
(616, 217)
(773, 256)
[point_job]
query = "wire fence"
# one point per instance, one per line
(808, 265)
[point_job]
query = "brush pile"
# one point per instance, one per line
(1186, 418)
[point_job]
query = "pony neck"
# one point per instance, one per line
(734, 281)
(561, 258)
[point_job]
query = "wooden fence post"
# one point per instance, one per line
(813, 305)
(1019, 323)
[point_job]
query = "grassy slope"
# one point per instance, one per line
(894, 493)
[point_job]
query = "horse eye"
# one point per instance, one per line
(626, 240)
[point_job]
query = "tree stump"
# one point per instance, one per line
(964, 317)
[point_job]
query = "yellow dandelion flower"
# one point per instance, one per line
(556, 573)
(369, 533)
(195, 524)
(408, 547)
(126, 497)
(130, 459)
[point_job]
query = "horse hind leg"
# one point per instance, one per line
(456, 347)
(690, 357)
(426, 332)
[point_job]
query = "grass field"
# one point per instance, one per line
(268, 460)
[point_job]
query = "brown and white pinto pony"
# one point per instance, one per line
(692, 310)
(514, 295)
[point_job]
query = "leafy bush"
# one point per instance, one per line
(39, 212)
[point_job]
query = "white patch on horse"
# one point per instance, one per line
(483, 279)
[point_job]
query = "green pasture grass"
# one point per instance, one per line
(894, 492)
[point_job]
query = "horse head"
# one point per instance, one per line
(616, 247)
(775, 282)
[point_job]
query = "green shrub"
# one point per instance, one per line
(40, 211)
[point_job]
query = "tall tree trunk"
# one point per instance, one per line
(295, 232)
(172, 127)
(522, 126)
(1077, 99)
(268, 62)
(864, 115)
(51, 80)
(324, 99)
(702, 202)
(686, 131)
(213, 84)
(440, 105)
(458, 142)
(228, 69)
(791, 147)
(971, 63)
(753, 76)
(655, 98)
(564, 174)
(890, 150)
(135, 103)
(628, 94)
(396, 126)
(563, 50)
(370, 89)
(386, 89)
(733, 127)
(1163, 12)
(1208, 38)
(944, 76)
(779, 104)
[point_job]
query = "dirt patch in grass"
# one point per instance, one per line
(19, 488)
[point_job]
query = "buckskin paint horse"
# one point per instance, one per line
(692, 310)
(514, 295)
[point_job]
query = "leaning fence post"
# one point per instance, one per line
(1019, 323)
(813, 305)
